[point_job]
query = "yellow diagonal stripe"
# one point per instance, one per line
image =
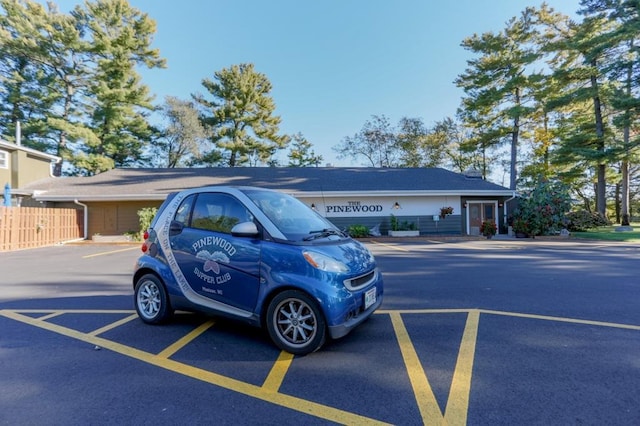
(458, 401)
(429, 409)
(112, 325)
(181, 343)
(277, 373)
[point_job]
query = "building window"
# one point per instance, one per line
(4, 160)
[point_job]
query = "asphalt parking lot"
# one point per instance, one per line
(478, 332)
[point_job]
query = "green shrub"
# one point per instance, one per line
(145, 217)
(358, 231)
(396, 225)
(582, 220)
(542, 210)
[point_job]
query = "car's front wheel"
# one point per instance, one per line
(295, 323)
(151, 299)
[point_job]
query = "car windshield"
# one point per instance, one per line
(294, 219)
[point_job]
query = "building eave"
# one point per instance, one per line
(14, 147)
(42, 196)
(419, 193)
(98, 198)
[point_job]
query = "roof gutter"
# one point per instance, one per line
(86, 217)
(43, 196)
(506, 215)
(400, 193)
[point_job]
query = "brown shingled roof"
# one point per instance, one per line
(157, 183)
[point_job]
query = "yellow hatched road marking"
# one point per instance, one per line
(456, 411)
(561, 319)
(458, 401)
(181, 343)
(51, 315)
(287, 401)
(278, 371)
(112, 325)
(429, 409)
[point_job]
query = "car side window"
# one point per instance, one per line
(184, 210)
(218, 212)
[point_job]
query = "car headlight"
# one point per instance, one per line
(324, 263)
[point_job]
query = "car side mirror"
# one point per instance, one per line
(245, 229)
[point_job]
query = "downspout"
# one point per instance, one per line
(506, 216)
(86, 217)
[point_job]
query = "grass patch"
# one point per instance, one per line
(608, 233)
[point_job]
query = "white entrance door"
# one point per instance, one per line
(478, 212)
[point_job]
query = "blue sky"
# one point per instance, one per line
(332, 63)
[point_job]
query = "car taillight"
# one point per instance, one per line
(145, 247)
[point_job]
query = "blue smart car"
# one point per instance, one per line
(260, 256)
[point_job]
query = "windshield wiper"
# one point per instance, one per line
(323, 233)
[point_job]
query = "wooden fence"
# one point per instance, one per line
(31, 227)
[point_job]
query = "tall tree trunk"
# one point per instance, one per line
(624, 221)
(616, 200)
(514, 145)
(624, 201)
(601, 201)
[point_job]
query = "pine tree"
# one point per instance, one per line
(120, 41)
(585, 91)
(499, 85)
(25, 95)
(71, 80)
(301, 153)
(240, 116)
(622, 68)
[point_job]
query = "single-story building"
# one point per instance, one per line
(433, 200)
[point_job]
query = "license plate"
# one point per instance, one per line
(369, 297)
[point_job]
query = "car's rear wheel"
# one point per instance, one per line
(295, 323)
(152, 301)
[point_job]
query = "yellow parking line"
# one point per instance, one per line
(110, 252)
(561, 319)
(73, 311)
(277, 373)
(421, 311)
(51, 315)
(297, 404)
(390, 246)
(113, 325)
(181, 343)
(458, 401)
(427, 403)
(457, 406)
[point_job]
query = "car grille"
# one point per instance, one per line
(361, 281)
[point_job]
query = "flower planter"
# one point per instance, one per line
(415, 233)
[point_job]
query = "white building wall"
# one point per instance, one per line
(332, 207)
